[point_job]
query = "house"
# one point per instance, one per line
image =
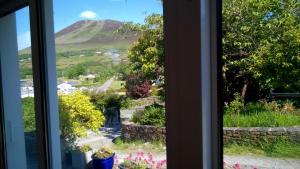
(87, 78)
(65, 88)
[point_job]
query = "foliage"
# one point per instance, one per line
(103, 153)
(262, 114)
(84, 148)
(147, 53)
(77, 115)
(137, 86)
(261, 119)
(279, 148)
(288, 107)
(152, 115)
(28, 114)
(75, 71)
(236, 106)
(260, 47)
(142, 161)
(106, 100)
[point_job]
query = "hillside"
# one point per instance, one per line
(91, 34)
(95, 45)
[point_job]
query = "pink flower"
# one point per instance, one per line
(237, 166)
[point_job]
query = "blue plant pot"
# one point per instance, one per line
(106, 163)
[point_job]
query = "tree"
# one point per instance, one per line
(77, 115)
(75, 71)
(260, 46)
(147, 53)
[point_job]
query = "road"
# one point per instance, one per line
(105, 86)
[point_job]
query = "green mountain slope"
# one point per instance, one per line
(90, 34)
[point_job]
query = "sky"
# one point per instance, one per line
(67, 12)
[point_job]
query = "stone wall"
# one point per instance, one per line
(131, 131)
(258, 134)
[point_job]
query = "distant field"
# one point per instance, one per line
(94, 63)
(117, 85)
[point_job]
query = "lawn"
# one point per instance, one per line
(154, 147)
(117, 85)
(280, 148)
(262, 119)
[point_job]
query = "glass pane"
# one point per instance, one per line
(261, 50)
(26, 85)
(17, 90)
(110, 69)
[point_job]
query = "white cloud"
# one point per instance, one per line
(88, 15)
(24, 40)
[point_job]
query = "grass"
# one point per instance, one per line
(280, 148)
(117, 85)
(261, 119)
(155, 147)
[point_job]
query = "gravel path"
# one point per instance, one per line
(260, 162)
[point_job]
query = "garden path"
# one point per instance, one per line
(105, 86)
(260, 162)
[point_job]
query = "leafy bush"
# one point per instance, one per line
(152, 115)
(103, 153)
(28, 114)
(75, 71)
(77, 115)
(137, 86)
(85, 148)
(236, 106)
(288, 107)
(107, 100)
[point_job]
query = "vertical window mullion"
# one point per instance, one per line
(183, 84)
(39, 79)
(44, 77)
(3, 163)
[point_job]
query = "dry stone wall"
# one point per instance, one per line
(131, 131)
(257, 134)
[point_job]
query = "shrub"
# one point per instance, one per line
(106, 100)
(75, 71)
(288, 107)
(77, 115)
(152, 115)
(137, 86)
(103, 153)
(85, 148)
(28, 114)
(236, 106)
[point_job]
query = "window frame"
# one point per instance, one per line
(183, 55)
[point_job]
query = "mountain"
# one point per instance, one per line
(91, 33)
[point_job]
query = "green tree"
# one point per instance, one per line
(77, 115)
(75, 71)
(260, 46)
(147, 53)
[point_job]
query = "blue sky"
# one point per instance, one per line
(67, 12)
